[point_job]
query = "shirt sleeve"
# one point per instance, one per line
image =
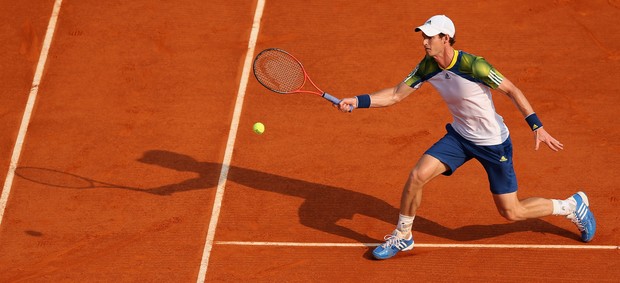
(484, 72)
(419, 74)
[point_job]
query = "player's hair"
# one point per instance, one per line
(452, 40)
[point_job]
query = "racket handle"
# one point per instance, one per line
(333, 99)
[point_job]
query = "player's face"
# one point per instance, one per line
(434, 45)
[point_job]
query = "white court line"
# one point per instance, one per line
(232, 135)
(32, 97)
(470, 246)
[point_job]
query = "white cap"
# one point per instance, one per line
(436, 25)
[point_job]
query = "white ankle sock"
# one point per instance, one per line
(404, 224)
(563, 207)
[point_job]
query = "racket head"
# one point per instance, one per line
(278, 71)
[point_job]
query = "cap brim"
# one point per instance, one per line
(428, 30)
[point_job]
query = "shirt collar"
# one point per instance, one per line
(454, 58)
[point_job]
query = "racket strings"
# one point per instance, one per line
(278, 71)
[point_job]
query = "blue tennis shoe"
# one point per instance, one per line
(394, 243)
(583, 217)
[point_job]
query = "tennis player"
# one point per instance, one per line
(464, 81)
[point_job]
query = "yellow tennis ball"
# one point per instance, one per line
(259, 128)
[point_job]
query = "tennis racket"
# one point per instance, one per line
(280, 72)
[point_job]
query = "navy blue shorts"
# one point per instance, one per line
(454, 150)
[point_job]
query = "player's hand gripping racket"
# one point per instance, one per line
(280, 72)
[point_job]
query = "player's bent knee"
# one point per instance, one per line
(419, 177)
(510, 214)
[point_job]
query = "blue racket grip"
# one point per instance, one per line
(333, 99)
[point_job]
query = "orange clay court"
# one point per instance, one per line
(136, 160)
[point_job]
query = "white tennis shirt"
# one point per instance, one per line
(465, 85)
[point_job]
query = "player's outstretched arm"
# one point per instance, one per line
(381, 98)
(540, 134)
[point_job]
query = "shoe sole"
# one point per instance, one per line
(407, 248)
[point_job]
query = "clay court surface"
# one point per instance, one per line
(129, 170)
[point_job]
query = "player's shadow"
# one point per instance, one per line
(324, 206)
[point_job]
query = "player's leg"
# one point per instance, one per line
(513, 209)
(576, 208)
(401, 239)
(444, 157)
(497, 161)
(427, 168)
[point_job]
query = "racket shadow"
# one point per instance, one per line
(59, 179)
(324, 206)
(65, 180)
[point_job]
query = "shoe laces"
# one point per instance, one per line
(391, 240)
(573, 218)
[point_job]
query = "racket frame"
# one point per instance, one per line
(307, 78)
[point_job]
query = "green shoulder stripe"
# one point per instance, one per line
(480, 70)
(423, 71)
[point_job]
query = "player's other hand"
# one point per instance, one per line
(541, 135)
(347, 104)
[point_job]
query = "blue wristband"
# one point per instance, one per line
(363, 101)
(533, 121)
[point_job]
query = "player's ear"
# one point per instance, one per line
(444, 38)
